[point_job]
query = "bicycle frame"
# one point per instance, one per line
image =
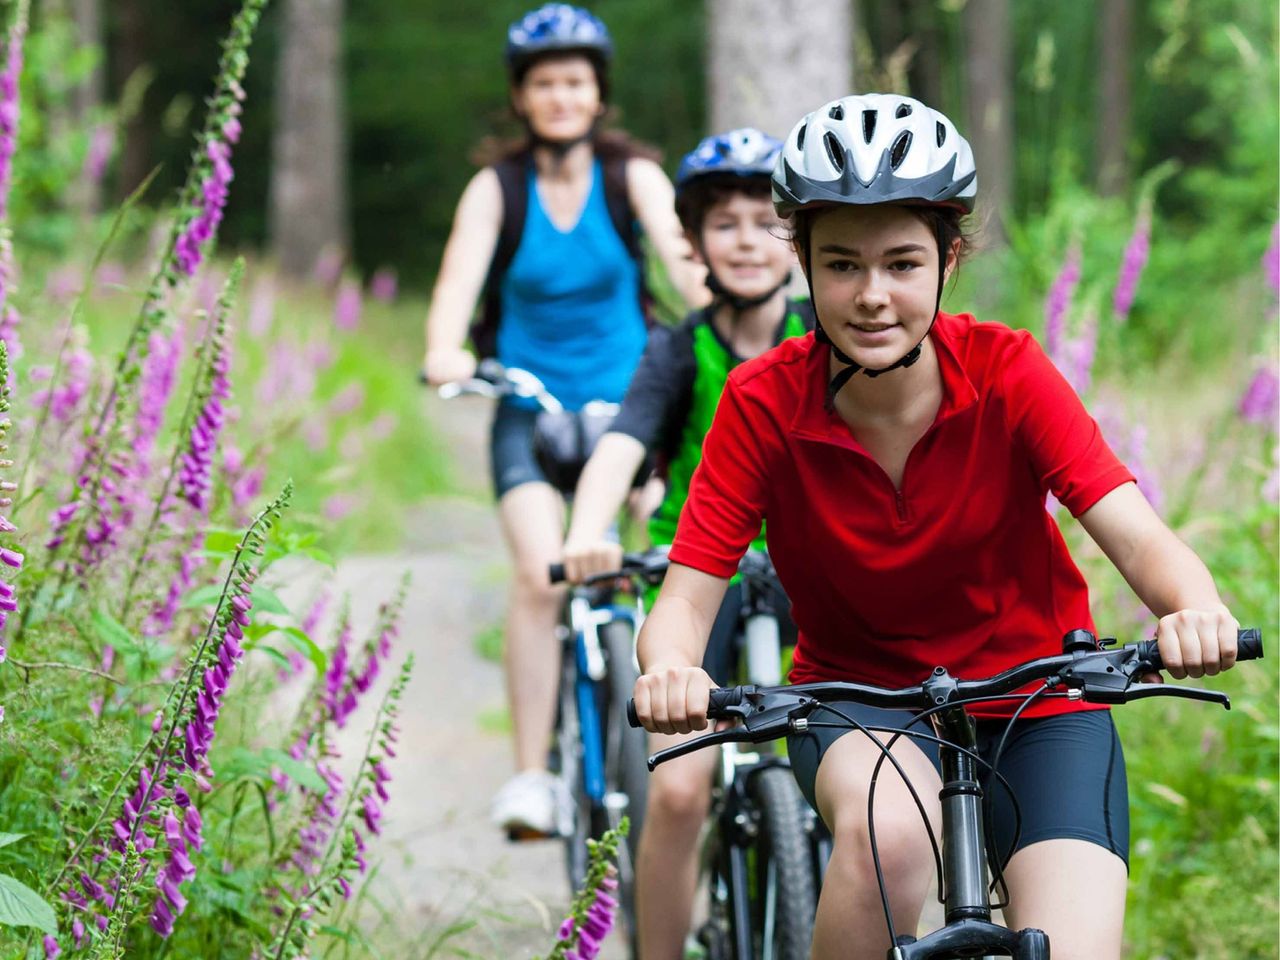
(586, 620)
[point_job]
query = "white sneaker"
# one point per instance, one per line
(532, 802)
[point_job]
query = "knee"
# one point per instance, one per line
(677, 801)
(901, 843)
(532, 587)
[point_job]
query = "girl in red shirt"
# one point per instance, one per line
(901, 458)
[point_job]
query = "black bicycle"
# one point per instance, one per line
(766, 849)
(1088, 669)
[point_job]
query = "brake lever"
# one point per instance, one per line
(1140, 691)
(759, 724)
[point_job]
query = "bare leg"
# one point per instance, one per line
(667, 860)
(532, 516)
(1074, 891)
(850, 923)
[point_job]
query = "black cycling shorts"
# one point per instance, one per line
(511, 457)
(1067, 772)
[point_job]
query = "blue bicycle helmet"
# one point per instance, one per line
(555, 28)
(745, 152)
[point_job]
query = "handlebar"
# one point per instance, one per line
(649, 566)
(1088, 669)
(493, 380)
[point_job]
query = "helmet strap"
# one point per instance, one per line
(852, 367)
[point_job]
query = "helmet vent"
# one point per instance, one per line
(898, 151)
(868, 125)
(800, 136)
(836, 112)
(835, 153)
(904, 110)
(942, 133)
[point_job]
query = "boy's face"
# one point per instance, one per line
(742, 244)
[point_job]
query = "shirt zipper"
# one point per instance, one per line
(901, 501)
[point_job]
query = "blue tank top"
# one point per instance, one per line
(571, 304)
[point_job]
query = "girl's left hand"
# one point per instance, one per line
(1197, 643)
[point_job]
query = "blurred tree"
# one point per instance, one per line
(1115, 46)
(988, 55)
(769, 63)
(308, 192)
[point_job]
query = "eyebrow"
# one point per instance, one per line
(892, 252)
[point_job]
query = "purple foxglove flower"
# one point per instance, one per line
(51, 948)
(1059, 301)
(102, 144)
(383, 284)
(328, 268)
(1135, 258)
(1261, 400)
(347, 306)
(348, 400)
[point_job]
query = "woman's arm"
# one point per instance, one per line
(673, 693)
(1196, 633)
(654, 201)
(462, 273)
(602, 489)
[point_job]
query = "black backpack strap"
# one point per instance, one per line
(802, 307)
(618, 200)
(513, 181)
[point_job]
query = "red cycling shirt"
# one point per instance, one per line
(963, 567)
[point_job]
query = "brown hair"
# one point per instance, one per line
(694, 199)
(949, 223)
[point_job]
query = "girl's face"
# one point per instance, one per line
(559, 98)
(741, 244)
(874, 280)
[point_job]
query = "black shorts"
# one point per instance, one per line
(1067, 772)
(511, 458)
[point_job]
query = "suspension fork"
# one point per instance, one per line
(964, 867)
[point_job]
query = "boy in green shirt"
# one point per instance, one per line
(724, 202)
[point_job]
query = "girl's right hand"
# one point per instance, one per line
(673, 699)
(584, 559)
(448, 365)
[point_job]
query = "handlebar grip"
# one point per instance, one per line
(1248, 647)
(422, 377)
(722, 698)
(556, 574)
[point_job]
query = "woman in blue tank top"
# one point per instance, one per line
(569, 307)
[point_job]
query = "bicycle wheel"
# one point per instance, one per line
(625, 758)
(628, 754)
(784, 895)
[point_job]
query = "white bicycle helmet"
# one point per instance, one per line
(869, 149)
(874, 148)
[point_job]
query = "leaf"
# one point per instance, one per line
(265, 600)
(20, 906)
(300, 773)
(205, 596)
(112, 631)
(8, 838)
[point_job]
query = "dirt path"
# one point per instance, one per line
(443, 864)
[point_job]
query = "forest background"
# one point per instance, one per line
(1127, 152)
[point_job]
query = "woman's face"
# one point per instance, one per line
(874, 280)
(559, 98)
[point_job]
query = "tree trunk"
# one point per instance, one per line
(988, 56)
(770, 63)
(87, 98)
(926, 66)
(1112, 138)
(308, 212)
(130, 58)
